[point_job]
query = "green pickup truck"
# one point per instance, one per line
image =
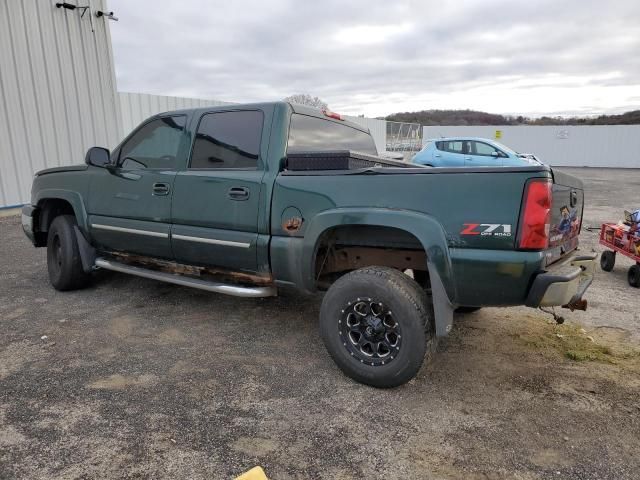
(244, 199)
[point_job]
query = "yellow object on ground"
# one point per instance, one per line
(256, 473)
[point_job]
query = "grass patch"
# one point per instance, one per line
(574, 343)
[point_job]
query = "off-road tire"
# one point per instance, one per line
(63, 255)
(607, 260)
(412, 313)
(633, 276)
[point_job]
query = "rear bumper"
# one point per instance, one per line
(563, 283)
(27, 222)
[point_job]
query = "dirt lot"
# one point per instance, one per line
(133, 378)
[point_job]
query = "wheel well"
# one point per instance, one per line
(49, 209)
(345, 248)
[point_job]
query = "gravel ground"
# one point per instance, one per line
(132, 378)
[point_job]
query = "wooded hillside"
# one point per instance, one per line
(473, 117)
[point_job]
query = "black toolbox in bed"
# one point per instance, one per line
(338, 160)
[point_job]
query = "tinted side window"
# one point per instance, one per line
(228, 140)
(154, 145)
(452, 146)
(312, 133)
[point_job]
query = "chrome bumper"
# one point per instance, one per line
(564, 283)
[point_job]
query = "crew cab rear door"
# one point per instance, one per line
(217, 196)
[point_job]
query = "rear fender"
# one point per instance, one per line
(424, 227)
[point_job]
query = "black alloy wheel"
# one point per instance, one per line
(369, 331)
(376, 323)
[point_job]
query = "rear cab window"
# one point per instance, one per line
(307, 133)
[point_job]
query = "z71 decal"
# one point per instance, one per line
(487, 229)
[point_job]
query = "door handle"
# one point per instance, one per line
(238, 193)
(573, 198)
(468, 158)
(161, 189)
(437, 155)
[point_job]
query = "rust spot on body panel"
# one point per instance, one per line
(292, 225)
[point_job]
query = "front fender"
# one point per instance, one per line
(424, 227)
(74, 199)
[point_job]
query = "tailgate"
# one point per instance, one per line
(566, 215)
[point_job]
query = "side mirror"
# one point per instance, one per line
(98, 157)
(495, 154)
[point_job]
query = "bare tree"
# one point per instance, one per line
(306, 99)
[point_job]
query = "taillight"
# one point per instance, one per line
(536, 216)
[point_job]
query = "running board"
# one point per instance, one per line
(227, 289)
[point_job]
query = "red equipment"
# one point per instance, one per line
(625, 239)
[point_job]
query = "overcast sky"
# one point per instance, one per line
(373, 57)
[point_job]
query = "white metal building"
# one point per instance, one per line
(57, 90)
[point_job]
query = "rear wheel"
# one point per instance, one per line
(63, 255)
(633, 276)
(375, 323)
(607, 260)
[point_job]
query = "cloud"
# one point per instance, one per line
(370, 34)
(378, 57)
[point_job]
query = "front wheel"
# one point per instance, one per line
(63, 255)
(633, 276)
(375, 323)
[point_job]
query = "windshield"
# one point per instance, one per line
(504, 148)
(313, 133)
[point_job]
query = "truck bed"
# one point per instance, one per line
(477, 211)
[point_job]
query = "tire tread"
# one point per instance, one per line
(409, 291)
(73, 276)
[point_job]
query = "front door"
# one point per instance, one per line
(482, 154)
(130, 205)
(217, 197)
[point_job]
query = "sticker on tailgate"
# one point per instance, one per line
(487, 229)
(568, 227)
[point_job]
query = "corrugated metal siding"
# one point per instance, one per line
(576, 146)
(136, 107)
(57, 87)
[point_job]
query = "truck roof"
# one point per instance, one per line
(302, 109)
